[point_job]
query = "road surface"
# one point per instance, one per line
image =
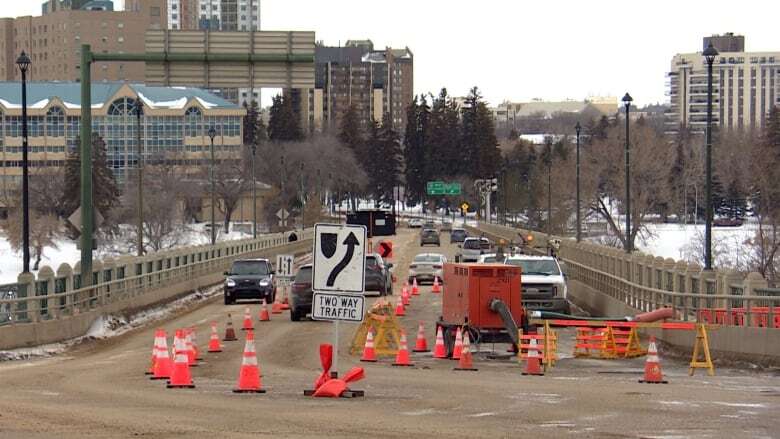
(98, 390)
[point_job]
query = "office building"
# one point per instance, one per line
(375, 82)
(175, 124)
(508, 115)
(746, 85)
(53, 40)
(217, 15)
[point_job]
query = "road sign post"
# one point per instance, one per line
(338, 276)
(284, 265)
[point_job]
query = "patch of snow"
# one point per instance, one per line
(9, 105)
(422, 412)
(40, 104)
(177, 104)
(741, 404)
(205, 104)
(481, 415)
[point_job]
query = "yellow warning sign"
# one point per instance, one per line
(381, 320)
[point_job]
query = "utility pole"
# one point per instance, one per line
(138, 112)
(627, 102)
(577, 128)
(212, 134)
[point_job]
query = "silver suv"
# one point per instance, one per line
(472, 248)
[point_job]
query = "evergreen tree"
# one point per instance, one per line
(283, 125)
(105, 192)
(479, 137)
(253, 125)
(390, 162)
(414, 150)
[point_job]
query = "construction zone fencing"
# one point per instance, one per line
(55, 307)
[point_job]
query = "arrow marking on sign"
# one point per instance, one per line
(351, 242)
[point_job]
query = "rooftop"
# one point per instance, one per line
(40, 93)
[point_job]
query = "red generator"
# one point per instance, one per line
(485, 298)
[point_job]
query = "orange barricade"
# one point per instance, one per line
(546, 346)
(601, 340)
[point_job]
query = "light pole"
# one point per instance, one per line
(138, 109)
(212, 134)
(709, 55)
(548, 151)
(578, 128)
(24, 63)
(303, 201)
(627, 102)
(254, 194)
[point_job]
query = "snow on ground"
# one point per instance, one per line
(112, 326)
(66, 251)
(682, 241)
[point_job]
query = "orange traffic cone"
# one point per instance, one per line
(399, 308)
(532, 360)
(264, 315)
(653, 374)
(249, 376)
(368, 351)
(157, 335)
(405, 299)
(214, 345)
(439, 351)
(180, 376)
(247, 321)
(404, 290)
(162, 362)
(415, 288)
(402, 357)
(190, 348)
(286, 298)
(276, 307)
(465, 362)
(230, 333)
(458, 349)
(436, 287)
(421, 345)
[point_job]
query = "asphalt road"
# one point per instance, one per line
(98, 390)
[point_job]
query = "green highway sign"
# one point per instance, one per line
(442, 188)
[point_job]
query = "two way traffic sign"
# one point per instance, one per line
(345, 307)
(339, 258)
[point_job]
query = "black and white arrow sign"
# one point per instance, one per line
(339, 258)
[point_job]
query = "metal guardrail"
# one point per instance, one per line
(61, 295)
(646, 283)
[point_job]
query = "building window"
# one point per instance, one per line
(55, 122)
(121, 39)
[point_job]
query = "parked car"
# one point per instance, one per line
(250, 279)
(429, 236)
(543, 282)
(458, 235)
(378, 275)
(301, 294)
(446, 225)
(415, 223)
(472, 248)
(727, 222)
(425, 266)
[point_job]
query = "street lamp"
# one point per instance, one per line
(138, 110)
(212, 134)
(548, 151)
(24, 63)
(627, 102)
(709, 55)
(254, 193)
(577, 128)
(303, 201)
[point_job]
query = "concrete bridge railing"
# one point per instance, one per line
(54, 306)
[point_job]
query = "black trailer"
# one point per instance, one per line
(378, 222)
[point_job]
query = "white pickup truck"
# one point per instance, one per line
(543, 283)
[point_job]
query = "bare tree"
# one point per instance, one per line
(45, 229)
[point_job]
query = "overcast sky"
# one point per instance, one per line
(520, 50)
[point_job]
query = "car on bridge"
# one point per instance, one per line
(543, 282)
(472, 248)
(429, 236)
(415, 223)
(458, 235)
(378, 275)
(301, 293)
(250, 279)
(426, 266)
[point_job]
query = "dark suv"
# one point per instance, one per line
(250, 279)
(429, 236)
(301, 294)
(378, 276)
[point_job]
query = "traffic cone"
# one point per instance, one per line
(439, 351)
(368, 351)
(404, 290)
(276, 307)
(399, 308)
(436, 288)
(249, 375)
(286, 299)
(190, 348)
(162, 363)
(214, 345)
(458, 349)
(157, 335)
(653, 374)
(194, 337)
(421, 345)
(415, 288)
(402, 357)
(465, 362)
(405, 299)
(230, 333)
(180, 376)
(532, 360)
(264, 316)
(247, 321)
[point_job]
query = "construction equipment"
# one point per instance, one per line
(483, 299)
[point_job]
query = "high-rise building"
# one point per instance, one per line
(746, 85)
(53, 41)
(375, 82)
(219, 15)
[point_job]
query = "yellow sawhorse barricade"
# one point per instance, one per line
(381, 320)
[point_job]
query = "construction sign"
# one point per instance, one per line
(385, 249)
(381, 321)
